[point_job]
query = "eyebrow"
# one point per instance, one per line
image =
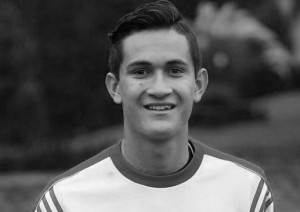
(177, 62)
(169, 63)
(139, 63)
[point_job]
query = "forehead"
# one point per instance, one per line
(156, 46)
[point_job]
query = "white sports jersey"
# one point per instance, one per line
(211, 182)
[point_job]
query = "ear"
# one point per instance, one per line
(201, 81)
(112, 85)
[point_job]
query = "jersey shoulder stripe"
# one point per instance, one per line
(49, 188)
(238, 161)
(54, 200)
(257, 195)
(85, 164)
(262, 200)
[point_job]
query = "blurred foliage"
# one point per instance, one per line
(238, 49)
(53, 61)
(245, 59)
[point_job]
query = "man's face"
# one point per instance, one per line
(157, 84)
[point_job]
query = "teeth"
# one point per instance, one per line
(160, 107)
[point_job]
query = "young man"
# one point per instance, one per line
(156, 75)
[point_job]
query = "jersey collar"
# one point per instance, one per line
(158, 181)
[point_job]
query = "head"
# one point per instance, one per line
(155, 72)
(151, 16)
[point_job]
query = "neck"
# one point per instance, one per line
(156, 156)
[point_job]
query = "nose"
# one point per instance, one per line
(159, 86)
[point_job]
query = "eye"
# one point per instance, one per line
(140, 73)
(175, 72)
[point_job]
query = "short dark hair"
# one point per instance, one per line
(155, 15)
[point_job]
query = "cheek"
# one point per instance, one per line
(186, 91)
(130, 93)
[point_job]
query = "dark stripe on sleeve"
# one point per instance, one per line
(263, 205)
(256, 196)
(269, 202)
(48, 209)
(100, 156)
(38, 209)
(55, 201)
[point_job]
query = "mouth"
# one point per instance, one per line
(159, 107)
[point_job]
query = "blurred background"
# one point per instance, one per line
(55, 111)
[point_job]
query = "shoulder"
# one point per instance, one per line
(83, 166)
(80, 173)
(218, 155)
(247, 178)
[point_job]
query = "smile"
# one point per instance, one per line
(159, 107)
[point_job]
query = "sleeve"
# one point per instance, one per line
(48, 203)
(263, 199)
